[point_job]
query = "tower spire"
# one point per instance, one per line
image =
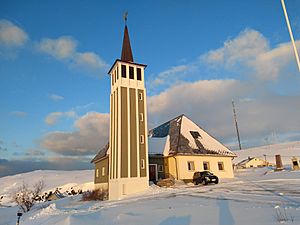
(126, 47)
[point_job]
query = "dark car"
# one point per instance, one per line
(205, 177)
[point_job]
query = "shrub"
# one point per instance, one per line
(282, 216)
(26, 197)
(95, 195)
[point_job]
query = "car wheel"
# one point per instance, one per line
(205, 182)
(217, 181)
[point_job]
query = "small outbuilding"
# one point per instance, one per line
(251, 162)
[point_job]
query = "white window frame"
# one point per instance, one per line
(223, 168)
(191, 165)
(208, 165)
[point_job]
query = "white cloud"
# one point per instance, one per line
(208, 103)
(246, 46)
(18, 113)
(60, 48)
(91, 135)
(89, 60)
(55, 97)
(250, 54)
(11, 35)
(171, 76)
(53, 118)
(65, 49)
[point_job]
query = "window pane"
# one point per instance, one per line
(124, 71)
(205, 165)
(220, 165)
(139, 74)
(191, 166)
(131, 73)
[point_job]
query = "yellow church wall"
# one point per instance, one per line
(178, 166)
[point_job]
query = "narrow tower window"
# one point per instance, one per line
(141, 117)
(142, 139)
(124, 71)
(103, 171)
(139, 74)
(143, 164)
(117, 73)
(140, 96)
(131, 73)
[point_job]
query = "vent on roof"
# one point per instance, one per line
(195, 134)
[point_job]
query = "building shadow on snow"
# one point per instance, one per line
(225, 216)
(177, 220)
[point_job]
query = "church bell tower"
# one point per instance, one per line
(128, 152)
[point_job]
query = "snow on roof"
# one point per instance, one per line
(101, 154)
(186, 137)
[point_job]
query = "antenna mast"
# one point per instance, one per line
(236, 125)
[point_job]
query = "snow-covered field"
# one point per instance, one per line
(253, 197)
(286, 150)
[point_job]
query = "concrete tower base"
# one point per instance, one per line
(123, 187)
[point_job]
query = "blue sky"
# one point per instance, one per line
(54, 58)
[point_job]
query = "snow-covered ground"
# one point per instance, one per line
(253, 197)
(286, 150)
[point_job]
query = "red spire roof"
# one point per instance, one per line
(126, 48)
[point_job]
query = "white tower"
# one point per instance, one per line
(128, 153)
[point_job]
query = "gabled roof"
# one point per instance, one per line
(101, 154)
(243, 162)
(184, 137)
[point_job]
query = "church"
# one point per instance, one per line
(124, 166)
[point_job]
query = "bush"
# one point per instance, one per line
(26, 197)
(95, 195)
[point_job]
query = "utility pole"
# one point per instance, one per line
(291, 33)
(236, 125)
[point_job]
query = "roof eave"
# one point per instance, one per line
(119, 60)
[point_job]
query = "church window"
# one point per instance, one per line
(131, 72)
(139, 74)
(103, 171)
(143, 163)
(117, 73)
(97, 172)
(140, 96)
(141, 117)
(221, 165)
(142, 139)
(124, 71)
(191, 165)
(205, 165)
